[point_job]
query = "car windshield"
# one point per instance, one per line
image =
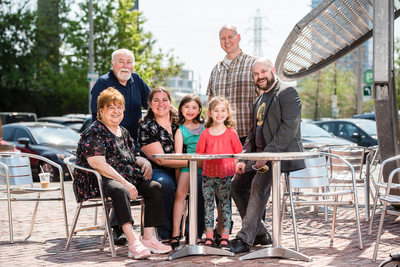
(311, 130)
(367, 126)
(55, 135)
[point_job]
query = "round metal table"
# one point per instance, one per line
(276, 250)
(192, 248)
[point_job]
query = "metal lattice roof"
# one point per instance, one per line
(332, 29)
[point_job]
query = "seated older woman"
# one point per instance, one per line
(108, 148)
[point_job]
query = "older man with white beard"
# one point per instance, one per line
(135, 92)
(129, 84)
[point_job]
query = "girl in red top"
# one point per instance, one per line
(219, 137)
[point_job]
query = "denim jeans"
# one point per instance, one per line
(167, 180)
(250, 191)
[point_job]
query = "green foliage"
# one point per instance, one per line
(317, 89)
(44, 58)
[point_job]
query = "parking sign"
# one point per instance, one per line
(368, 77)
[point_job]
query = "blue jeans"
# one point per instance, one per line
(167, 180)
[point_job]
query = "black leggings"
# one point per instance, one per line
(149, 190)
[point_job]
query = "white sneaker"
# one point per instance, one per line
(138, 251)
(155, 246)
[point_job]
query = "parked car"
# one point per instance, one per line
(51, 140)
(360, 131)
(85, 124)
(314, 136)
(78, 116)
(367, 116)
(10, 117)
(73, 123)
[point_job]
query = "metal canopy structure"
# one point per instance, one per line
(331, 30)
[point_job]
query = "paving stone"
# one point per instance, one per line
(46, 246)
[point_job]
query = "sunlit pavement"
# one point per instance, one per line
(46, 245)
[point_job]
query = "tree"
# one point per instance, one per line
(317, 89)
(17, 33)
(44, 52)
(116, 25)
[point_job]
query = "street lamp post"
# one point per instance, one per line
(91, 76)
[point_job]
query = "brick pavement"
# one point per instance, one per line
(46, 246)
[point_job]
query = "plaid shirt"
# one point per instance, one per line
(235, 83)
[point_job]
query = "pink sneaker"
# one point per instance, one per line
(155, 246)
(138, 251)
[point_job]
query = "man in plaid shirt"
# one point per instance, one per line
(232, 78)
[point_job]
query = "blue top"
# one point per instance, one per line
(190, 139)
(135, 92)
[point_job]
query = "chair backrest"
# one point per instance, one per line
(314, 175)
(353, 155)
(94, 181)
(19, 170)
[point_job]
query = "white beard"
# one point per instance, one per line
(124, 76)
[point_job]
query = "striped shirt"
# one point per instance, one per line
(235, 82)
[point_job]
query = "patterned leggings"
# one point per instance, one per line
(222, 188)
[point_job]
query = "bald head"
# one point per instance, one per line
(264, 74)
(229, 40)
(228, 27)
(263, 62)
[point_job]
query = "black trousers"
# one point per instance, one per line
(149, 190)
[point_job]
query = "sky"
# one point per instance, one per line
(190, 27)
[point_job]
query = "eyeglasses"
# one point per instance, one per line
(262, 169)
(118, 108)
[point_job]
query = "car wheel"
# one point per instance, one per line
(46, 167)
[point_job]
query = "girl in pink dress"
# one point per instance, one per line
(219, 137)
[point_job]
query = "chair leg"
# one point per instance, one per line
(325, 189)
(108, 230)
(283, 210)
(373, 212)
(10, 223)
(65, 213)
(378, 237)
(357, 217)
(105, 234)
(334, 220)
(71, 233)
(33, 218)
(366, 200)
(293, 217)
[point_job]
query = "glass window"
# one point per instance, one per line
(8, 133)
(19, 133)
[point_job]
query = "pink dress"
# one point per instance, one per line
(225, 143)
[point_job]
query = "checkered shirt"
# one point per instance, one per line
(235, 82)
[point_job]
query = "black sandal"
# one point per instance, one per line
(175, 242)
(209, 245)
(223, 245)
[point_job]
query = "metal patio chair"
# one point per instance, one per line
(16, 181)
(380, 186)
(387, 199)
(341, 173)
(316, 175)
(101, 201)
